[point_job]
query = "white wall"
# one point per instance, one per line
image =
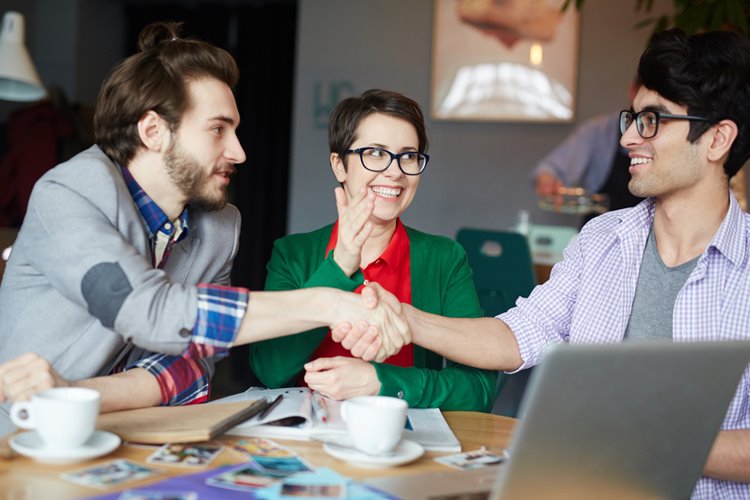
(478, 172)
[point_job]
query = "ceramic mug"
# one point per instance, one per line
(375, 423)
(64, 417)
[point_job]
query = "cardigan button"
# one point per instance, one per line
(366, 282)
(400, 394)
(185, 332)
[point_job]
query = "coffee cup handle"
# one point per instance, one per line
(21, 415)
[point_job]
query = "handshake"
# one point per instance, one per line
(382, 331)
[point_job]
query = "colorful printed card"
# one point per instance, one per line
(262, 447)
(471, 459)
(110, 474)
(157, 495)
(246, 477)
(189, 455)
(281, 466)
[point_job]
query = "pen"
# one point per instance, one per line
(320, 406)
(273, 404)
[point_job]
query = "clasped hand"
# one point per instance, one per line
(383, 334)
(383, 331)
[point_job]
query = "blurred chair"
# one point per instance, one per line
(503, 271)
(501, 261)
(548, 242)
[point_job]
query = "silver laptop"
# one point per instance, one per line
(633, 420)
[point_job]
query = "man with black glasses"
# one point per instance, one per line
(676, 266)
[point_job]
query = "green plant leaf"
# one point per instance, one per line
(718, 16)
(662, 23)
(736, 14)
(644, 22)
(734, 9)
(691, 15)
(694, 18)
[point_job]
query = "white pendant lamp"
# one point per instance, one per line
(19, 80)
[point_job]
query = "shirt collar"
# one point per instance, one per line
(397, 247)
(394, 253)
(155, 218)
(729, 240)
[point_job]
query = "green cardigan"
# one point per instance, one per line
(441, 284)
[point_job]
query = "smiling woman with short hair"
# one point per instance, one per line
(378, 149)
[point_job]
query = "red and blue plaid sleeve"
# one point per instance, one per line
(182, 379)
(220, 313)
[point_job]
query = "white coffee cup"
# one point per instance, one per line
(64, 417)
(375, 423)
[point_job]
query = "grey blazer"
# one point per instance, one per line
(79, 284)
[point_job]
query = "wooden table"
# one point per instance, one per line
(24, 478)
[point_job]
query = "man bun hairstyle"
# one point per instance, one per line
(155, 78)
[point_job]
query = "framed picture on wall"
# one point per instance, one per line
(504, 60)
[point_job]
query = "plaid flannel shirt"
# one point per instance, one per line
(185, 379)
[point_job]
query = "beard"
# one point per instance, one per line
(659, 180)
(192, 180)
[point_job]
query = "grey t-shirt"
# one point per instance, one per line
(655, 293)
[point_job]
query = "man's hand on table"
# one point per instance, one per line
(22, 377)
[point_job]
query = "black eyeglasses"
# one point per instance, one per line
(647, 122)
(379, 159)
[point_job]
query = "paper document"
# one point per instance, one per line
(294, 417)
(298, 416)
(428, 427)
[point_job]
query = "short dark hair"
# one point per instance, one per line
(709, 73)
(156, 79)
(346, 116)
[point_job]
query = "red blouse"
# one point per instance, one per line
(392, 270)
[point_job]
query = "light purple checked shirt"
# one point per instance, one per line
(590, 293)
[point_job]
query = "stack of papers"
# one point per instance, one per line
(295, 418)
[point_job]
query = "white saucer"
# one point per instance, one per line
(406, 451)
(30, 444)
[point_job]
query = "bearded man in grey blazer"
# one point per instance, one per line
(119, 278)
